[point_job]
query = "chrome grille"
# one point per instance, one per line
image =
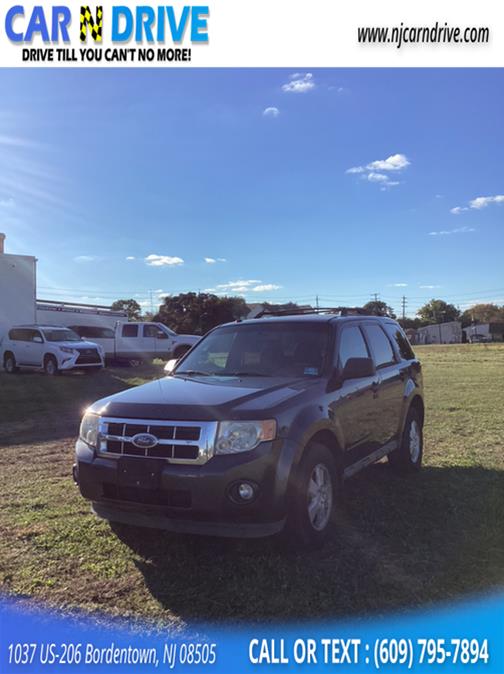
(177, 441)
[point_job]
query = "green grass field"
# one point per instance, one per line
(402, 542)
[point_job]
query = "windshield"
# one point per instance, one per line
(263, 350)
(61, 335)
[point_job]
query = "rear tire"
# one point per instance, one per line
(408, 457)
(10, 363)
(314, 493)
(51, 366)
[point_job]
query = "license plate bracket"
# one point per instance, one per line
(142, 473)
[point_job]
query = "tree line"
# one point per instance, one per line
(196, 313)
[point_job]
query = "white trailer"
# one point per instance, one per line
(17, 289)
(51, 312)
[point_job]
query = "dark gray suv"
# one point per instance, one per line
(256, 428)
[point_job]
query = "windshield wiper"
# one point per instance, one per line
(244, 374)
(195, 373)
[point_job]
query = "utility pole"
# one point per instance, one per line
(316, 301)
(375, 296)
(151, 302)
(404, 307)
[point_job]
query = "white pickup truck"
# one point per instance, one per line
(137, 342)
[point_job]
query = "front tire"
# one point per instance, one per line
(51, 366)
(408, 457)
(313, 497)
(10, 363)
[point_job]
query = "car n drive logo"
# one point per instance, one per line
(162, 33)
(144, 440)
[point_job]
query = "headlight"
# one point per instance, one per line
(89, 429)
(242, 436)
(66, 349)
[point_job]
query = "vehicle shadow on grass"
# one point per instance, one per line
(399, 542)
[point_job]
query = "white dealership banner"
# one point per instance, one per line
(265, 33)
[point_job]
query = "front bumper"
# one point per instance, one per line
(71, 362)
(197, 499)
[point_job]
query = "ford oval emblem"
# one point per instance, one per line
(144, 440)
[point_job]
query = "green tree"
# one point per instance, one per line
(438, 311)
(131, 307)
(378, 308)
(197, 313)
(482, 313)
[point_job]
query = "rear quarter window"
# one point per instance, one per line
(20, 335)
(403, 346)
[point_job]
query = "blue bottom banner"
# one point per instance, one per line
(467, 636)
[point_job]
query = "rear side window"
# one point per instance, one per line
(152, 331)
(403, 345)
(130, 330)
(380, 346)
(34, 335)
(351, 345)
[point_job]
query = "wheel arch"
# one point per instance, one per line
(328, 439)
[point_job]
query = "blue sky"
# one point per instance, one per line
(343, 188)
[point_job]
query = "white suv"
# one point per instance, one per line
(50, 347)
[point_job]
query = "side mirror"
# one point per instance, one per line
(358, 368)
(170, 365)
(38, 340)
(162, 335)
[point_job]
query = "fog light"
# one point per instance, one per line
(245, 491)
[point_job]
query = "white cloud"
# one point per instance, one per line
(483, 202)
(7, 203)
(266, 287)
(374, 171)
(85, 258)
(214, 260)
(396, 162)
(398, 285)
(299, 83)
(271, 112)
(478, 203)
(457, 230)
(163, 260)
(244, 286)
(376, 177)
(429, 286)
(130, 257)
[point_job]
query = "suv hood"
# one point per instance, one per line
(76, 345)
(204, 399)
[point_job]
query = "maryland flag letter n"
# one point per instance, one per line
(94, 23)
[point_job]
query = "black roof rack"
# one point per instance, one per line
(340, 311)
